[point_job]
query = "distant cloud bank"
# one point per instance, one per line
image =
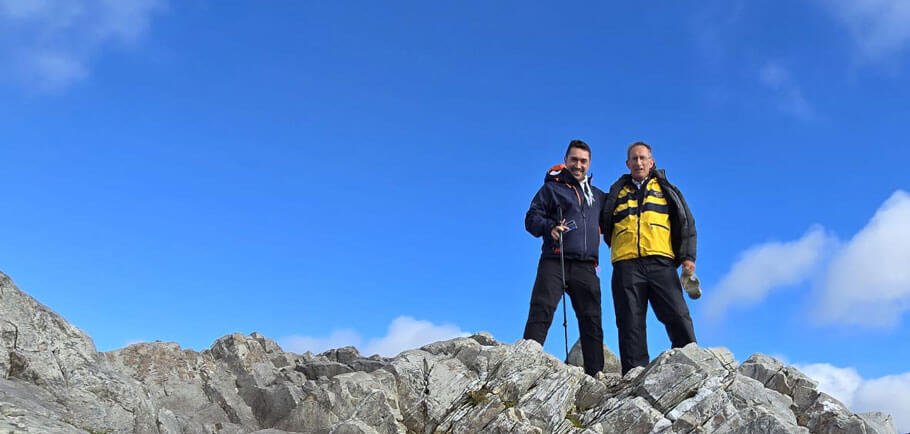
(866, 282)
(765, 268)
(403, 333)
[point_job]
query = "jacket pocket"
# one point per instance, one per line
(660, 226)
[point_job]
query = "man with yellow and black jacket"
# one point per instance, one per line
(651, 232)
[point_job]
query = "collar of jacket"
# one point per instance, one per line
(660, 174)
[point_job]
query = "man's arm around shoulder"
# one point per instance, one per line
(606, 214)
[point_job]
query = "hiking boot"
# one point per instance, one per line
(691, 284)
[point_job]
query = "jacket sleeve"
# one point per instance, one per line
(538, 220)
(689, 241)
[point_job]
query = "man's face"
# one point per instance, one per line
(640, 162)
(577, 161)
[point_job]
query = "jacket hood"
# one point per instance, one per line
(558, 173)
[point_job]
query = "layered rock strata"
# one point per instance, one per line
(52, 380)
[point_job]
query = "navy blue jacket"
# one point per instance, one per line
(562, 191)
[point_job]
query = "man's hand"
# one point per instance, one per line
(689, 266)
(558, 229)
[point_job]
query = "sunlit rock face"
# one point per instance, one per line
(52, 380)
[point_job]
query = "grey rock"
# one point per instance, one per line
(611, 362)
(28, 408)
(784, 379)
(830, 416)
(591, 392)
(344, 355)
(512, 420)
(428, 386)
(335, 362)
(877, 422)
(323, 368)
(452, 347)
(52, 380)
(755, 420)
(485, 338)
(706, 410)
(633, 373)
(42, 349)
(474, 413)
(194, 387)
(347, 399)
(677, 375)
(759, 407)
(634, 416)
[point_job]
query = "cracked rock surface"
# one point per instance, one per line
(52, 380)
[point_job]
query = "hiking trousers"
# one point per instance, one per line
(584, 291)
(635, 283)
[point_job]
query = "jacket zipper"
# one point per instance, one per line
(584, 217)
(640, 199)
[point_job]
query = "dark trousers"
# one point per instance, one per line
(635, 283)
(584, 291)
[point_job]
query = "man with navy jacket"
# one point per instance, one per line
(567, 192)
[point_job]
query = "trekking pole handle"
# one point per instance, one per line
(559, 220)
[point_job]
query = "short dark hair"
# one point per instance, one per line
(629, 149)
(575, 143)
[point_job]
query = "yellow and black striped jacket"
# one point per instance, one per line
(653, 220)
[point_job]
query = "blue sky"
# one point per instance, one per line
(358, 173)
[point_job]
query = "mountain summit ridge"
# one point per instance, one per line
(53, 380)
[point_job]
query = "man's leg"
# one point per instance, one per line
(544, 299)
(630, 304)
(584, 290)
(666, 297)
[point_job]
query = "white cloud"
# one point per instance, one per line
(766, 267)
(887, 394)
(840, 383)
(868, 281)
(337, 339)
(49, 44)
(404, 333)
(879, 28)
(789, 96)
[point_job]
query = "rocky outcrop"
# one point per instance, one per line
(53, 381)
(52, 371)
(611, 362)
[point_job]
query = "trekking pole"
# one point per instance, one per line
(562, 265)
